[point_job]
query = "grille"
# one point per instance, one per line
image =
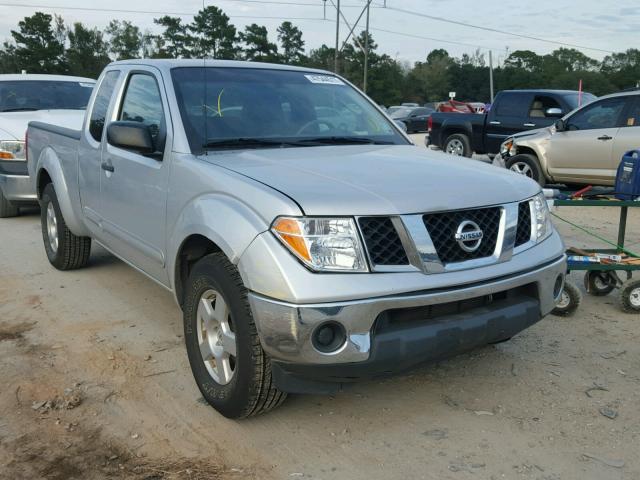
(442, 229)
(382, 241)
(523, 233)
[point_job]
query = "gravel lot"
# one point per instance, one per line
(95, 384)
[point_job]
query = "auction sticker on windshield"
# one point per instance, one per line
(324, 79)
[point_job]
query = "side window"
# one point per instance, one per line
(632, 118)
(602, 114)
(540, 104)
(101, 104)
(513, 104)
(143, 103)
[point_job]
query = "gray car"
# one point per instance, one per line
(306, 240)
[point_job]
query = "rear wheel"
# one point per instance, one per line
(7, 209)
(231, 370)
(527, 165)
(65, 250)
(458, 144)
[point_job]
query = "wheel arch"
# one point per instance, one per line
(208, 224)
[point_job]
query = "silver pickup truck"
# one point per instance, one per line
(306, 240)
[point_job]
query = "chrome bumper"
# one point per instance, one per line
(17, 188)
(286, 329)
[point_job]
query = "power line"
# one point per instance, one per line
(494, 30)
(144, 12)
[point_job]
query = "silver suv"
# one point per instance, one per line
(584, 147)
(307, 241)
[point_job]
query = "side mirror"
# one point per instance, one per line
(134, 136)
(560, 125)
(402, 125)
(553, 112)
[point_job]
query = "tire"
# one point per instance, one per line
(630, 296)
(458, 144)
(598, 283)
(239, 385)
(527, 165)
(7, 209)
(65, 250)
(569, 302)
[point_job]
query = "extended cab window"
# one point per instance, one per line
(143, 103)
(602, 114)
(101, 104)
(513, 104)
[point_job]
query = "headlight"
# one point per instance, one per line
(12, 150)
(322, 244)
(506, 146)
(542, 226)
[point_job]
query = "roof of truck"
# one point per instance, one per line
(174, 63)
(43, 77)
(542, 90)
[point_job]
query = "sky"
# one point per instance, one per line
(610, 25)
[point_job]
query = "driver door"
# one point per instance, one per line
(134, 185)
(583, 152)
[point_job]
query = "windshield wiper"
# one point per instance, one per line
(335, 140)
(247, 142)
(20, 109)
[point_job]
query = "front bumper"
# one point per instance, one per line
(394, 333)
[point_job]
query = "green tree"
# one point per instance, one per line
(214, 35)
(290, 38)
(8, 59)
(87, 53)
(177, 40)
(125, 40)
(36, 47)
(524, 59)
(256, 44)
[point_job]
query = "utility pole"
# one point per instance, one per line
(366, 51)
(335, 67)
(491, 75)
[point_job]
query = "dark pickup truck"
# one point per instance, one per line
(512, 111)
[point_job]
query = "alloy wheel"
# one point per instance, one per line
(216, 337)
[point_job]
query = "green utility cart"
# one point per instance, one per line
(602, 278)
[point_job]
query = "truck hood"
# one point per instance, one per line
(13, 125)
(376, 180)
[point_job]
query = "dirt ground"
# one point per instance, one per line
(95, 384)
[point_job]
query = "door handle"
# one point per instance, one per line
(604, 138)
(107, 167)
(529, 125)
(494, 122)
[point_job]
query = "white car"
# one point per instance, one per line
(55, 99)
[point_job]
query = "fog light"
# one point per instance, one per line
(557, 287)
(329, 337)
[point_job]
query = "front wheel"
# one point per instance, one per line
(231, 370)
(458, 144)
(569, 300)
(527, 165)
(65, 250)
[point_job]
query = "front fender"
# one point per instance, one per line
(49, 164)
(229, 223)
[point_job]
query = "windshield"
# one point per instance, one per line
(25, 95)
(401, 112)
(224, 107)
(574, 101)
